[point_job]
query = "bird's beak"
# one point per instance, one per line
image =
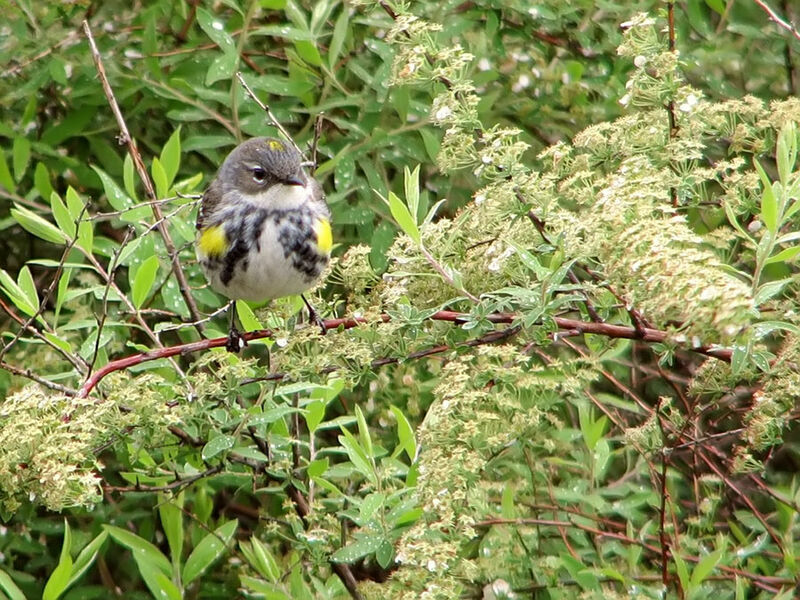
(296, 180)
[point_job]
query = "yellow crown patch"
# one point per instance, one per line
(275, 145)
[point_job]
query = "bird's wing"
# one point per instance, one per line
(211, 198)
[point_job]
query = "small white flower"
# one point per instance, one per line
(431, 566)
(484, 64)
(520, 84)
(282, 342)
(640, 61)
(480, 199)
(625, 100)
(443, 113)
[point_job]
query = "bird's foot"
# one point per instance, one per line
(236, 342)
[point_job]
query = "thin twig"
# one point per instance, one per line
(125, 138)
(28, 374)
(266, 109)
(775, 18)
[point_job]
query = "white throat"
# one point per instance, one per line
(281, 196)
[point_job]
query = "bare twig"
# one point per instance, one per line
(125, 138)
(28, 374)
(775, 18)
(266, 109)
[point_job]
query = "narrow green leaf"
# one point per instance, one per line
(141, 548)
(363, 432)
(15, 294)
(9, 587)
(403, 217)
(169, 511)
(704, 568)
(338, 37)
(769, 203)
(786, 151)
(6, 180)
(61, 214)
(144, 280)
(207, 551)
(269, 566)
(247, 317)
(59, 578)
(158, 582)
(159, 178)
(128, 178)
(28, 287)
(41, 180)
(356, 454)
(38, 226)
(411, 185)
(735, 222)
(405, 434)
(86, 557)
(21, 156)
(784, 255)
(358, 549)
(171, 156)
(315, 412)
(215, 29)
(216, 445)
(385, 554)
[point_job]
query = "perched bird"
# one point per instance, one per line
(263, 227)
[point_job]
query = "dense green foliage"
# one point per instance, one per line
(569, 234)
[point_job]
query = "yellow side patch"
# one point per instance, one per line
(275, 145)
(324, 236)
(213, 241)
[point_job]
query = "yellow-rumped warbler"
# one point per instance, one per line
(263, 227)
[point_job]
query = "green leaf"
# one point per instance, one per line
(215, 29)
(363, 432)
(6, 180)
(216, 445)
(784, 255)
(21, 156)
(159, 178)
(141, 548)
(315, 412)
(207, 551)
(411, 185)
(86, 557)
(735, 222)
(403, 217)
(169, 511)
(385, 554)
(41, 180)
(15, 294)
(358, 549)
(338, 37)
(38, 226)
(405, 434)
(159, 583)
(704, 568)
(317, 468)
(28, 287)
(171, 156)
(9, 587)
(786, 151)
(247, 317)
(769, 203)
(128, 178)
(61, 214)
(59, 578)
(144, 280)
(357, 455)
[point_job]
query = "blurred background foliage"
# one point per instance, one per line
(549, 68)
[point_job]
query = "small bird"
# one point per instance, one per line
(263, 227)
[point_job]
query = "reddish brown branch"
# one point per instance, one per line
(572, 326)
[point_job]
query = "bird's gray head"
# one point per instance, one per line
(257, 164)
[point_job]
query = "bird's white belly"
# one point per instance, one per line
(267, 274)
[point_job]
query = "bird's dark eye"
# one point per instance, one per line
(259, 175)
